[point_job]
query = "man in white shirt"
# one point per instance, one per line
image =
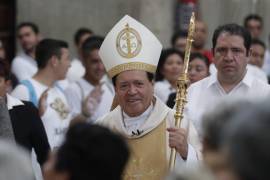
(88, 96)
(130, 53)
(24, 65)
(53, 62)
(231, 48)
(77, 70)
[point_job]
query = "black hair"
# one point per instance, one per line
(92, 152)
(232, 29)
(90, 44)
(252, 17)
(33, 26)
(178, 34)
(200, 56)
(48, 48)
(5, 69)
(150, 77)
(79, 33)
(259, 42)
(163, 57)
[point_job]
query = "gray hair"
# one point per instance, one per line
(192, 173)
(15, 162)
(247, 142)
(214, 122)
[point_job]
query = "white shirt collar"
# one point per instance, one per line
(12, 102)
(247, 80)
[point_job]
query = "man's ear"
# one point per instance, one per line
(250, 51)
(54, 61)
(153, 82)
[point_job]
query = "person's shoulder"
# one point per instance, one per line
(198, 88)
(259, 84)
(106, 87)
(19, 59)
(20, 92)
(201, 84)
(73, 86)
(29, 105)
(108, 119)
(17, 62)
(161, 85)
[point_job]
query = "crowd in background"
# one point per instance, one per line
(53, 100)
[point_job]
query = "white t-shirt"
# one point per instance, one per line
(76, 70)
(257, 72)
(23, 66)
(163, 89)
(266, 64)
(78, 91)
(57, 116)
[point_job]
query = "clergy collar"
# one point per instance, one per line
(157, 115)
(247, 80)
(12, 102)
(144, 115)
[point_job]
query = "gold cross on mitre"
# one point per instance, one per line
(128, 42)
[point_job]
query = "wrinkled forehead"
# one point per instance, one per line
(132, 75)
(200, 25)
(226, 38)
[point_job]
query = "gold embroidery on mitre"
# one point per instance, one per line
(128, 42)
(131, 66)
(60, 108)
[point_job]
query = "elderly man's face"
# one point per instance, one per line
(134, 92)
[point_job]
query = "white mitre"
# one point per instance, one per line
(130, 46)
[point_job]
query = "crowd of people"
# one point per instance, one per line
(109, 112)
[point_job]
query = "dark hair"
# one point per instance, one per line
(92, 152)
(178, 34)
(79, 33)
(163, 57)
(33, 26)
(233, 29)
(4, 69)
(252, 17)
(90, 44)
(48, 48)
(247, 140)
(150, 77)
(200, 56)
(259, 42)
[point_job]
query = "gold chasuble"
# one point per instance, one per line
(148, 156)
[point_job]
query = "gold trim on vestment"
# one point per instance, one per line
(148, 156)
(132, 66)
